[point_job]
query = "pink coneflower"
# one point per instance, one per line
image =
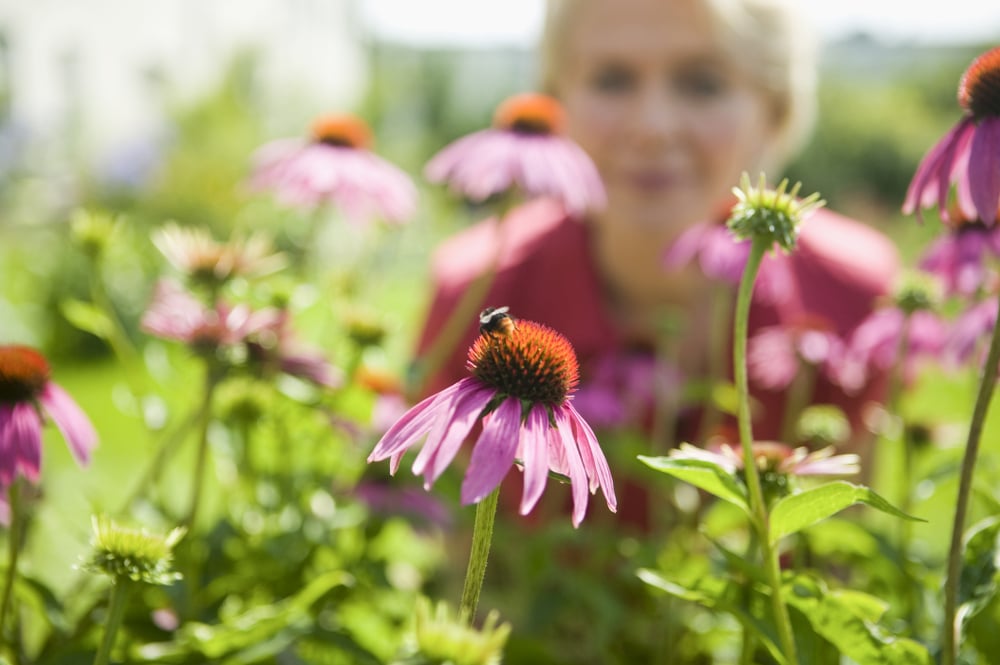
(969, 154)
(971, 330)
(196, 254)
(274, 347)
(525, 147)
(775, 353)
(26, 397)
(520, 389)
(959, 256)
(875, 342)
(336, 166)
(176, 314)
(722, 257)
(774, 457)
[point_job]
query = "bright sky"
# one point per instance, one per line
(518, 21)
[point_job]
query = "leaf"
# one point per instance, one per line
(86, 317)
(702, 474)
(798, 511)
(979, 579)
(847, 619)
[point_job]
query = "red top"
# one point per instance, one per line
(547, 274)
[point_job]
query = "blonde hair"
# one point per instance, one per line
(769, 38)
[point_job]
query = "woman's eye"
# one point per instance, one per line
(612, 79)
(702, 83)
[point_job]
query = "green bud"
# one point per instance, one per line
(131, 554)
(773, 215)
(916, 291)
(444, 639)
(823, 425)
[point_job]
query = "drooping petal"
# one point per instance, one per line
(984, 169)
(416, 422)
(494, 453)
(562, 436)
(593, 457)
(451, 430)
(23, 433)
(71, 421)
(534, 456)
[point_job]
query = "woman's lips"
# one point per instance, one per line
(652, 180)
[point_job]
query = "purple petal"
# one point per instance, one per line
(450, 431)
(414, 423)
(21, 439)
(984, 169)
(534, 456)
(562, 436)
(71, 421)
(593, 457)
(494, 452)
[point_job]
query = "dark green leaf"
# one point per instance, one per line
(87, 317)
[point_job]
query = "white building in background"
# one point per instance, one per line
(94, 72)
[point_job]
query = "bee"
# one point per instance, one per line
(496, 321)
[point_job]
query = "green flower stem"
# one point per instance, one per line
(482, 538)
(118, 339)
(205, 418)
(798, 397)
(14, 547)
(758, 506)
(950, 643)
(116, 611)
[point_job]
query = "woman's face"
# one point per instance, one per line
(667, 115)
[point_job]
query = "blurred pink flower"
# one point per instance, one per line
(971, 331)
(520, 389)
(176, 314)
(525, 147)
(26, 397)
(775, 457)
(775, 353)
(622, 389)
(336, 166)
(274, 347)
(969, 154)
(959, 256)
(722, 256)
(875, 341)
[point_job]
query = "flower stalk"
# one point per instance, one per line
(950, 641)
(758, 505)
(13, 548)
(116, 612)
(201, 458)
(482, 540)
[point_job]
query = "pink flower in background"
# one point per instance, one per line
(875, 342)
(722, 257)
(971, 331)
(775, 353)
(775, 457)
(959, 256)
(524, 148)
(26, 397)
(969, 154)
(274, 347)
(176, 314)
(520, 390)
(622, 389)
(336, 166)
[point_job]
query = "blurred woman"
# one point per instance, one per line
(672, 100)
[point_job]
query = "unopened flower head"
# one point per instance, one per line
(968, 156)
(915, 292)
(523, 374)
(336, 166)
(133, 554)
(26, 393)
(525, 149)
(196, 254)
(822, 425)
(442, 637)
(93, 231)
(772, 215)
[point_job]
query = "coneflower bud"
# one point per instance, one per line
(773, 215)
(131, 554)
